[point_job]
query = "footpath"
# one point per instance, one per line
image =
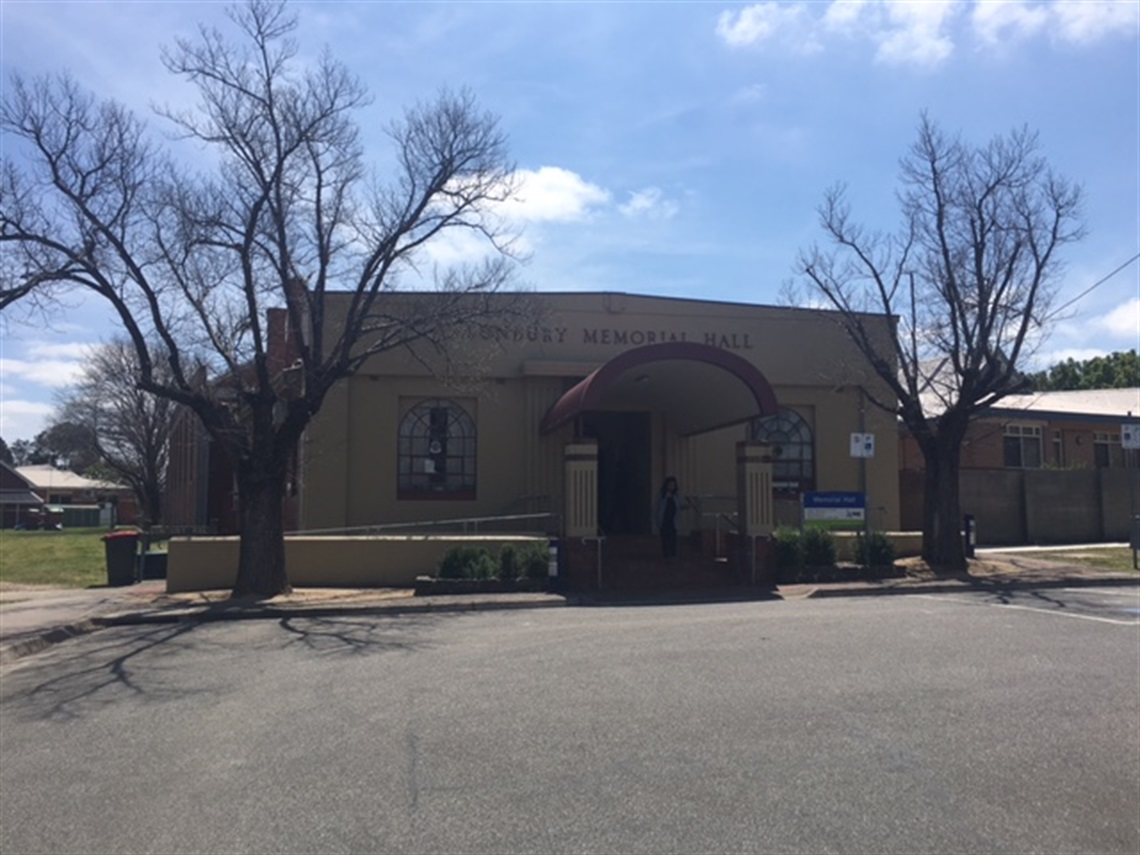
(34, 617)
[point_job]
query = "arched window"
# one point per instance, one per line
(793, 457)
(436, 452)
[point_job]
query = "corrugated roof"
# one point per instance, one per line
(44, 477)
(1091, 402)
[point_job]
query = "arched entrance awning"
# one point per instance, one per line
(699, 387)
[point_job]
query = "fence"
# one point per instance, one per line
(1029, 506)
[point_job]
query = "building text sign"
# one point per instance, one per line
(837, 509)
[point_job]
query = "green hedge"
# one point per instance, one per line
(476, 562)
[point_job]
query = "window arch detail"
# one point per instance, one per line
(436, 456)
(793, 453)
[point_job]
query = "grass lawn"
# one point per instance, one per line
(73, 557)
(1119, 558)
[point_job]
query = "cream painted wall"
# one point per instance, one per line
(350, 451)
(210, 563)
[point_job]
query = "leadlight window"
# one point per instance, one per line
(1022, 447)
(793, 455)
(437, 445)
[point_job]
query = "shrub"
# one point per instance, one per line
(483, 566)
(509, 569)
(534, 560)
(789, 547)
(882, 550)
(818, 547)
(463, 562)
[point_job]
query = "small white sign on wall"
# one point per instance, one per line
(862, 445)
(1130, 436)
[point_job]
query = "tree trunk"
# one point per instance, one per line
(942, 545)
(261, 555)
(151, 496)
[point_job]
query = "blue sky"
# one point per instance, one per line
(675, 148)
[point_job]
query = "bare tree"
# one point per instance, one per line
(129, 427)
(288, 219)
(968, 281)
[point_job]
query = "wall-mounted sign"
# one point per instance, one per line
(1130, 436)
(862, 445)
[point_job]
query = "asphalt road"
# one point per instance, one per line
(943, 723)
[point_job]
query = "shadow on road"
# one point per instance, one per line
(146, 664)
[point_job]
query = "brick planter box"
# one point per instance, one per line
(840, 573)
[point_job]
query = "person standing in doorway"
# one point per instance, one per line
(669, 504)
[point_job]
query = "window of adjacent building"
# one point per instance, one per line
(1107, 451)
(436, 452)
(1058, 449)
(793, 456)
(1022, 447)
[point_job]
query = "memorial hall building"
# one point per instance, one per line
(573, 423)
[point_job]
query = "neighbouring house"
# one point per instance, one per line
(20, 504)
(71, 491)
(1044, 467)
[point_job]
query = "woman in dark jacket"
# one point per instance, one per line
(670, 502)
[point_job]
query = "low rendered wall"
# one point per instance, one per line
(381, 561)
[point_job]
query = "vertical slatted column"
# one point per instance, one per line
(754, 488)
(581, 484)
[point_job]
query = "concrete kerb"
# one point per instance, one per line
(950, 586)
(33, 644)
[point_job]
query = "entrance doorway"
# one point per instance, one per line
(625, 491)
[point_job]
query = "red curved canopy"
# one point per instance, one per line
(699, 387)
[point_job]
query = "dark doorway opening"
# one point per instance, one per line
(625, 493)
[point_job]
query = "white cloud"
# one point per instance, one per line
(1087, 21)
(789, 24)
(1123, 321)
(922, 33)
(544, 196)
(552, 194)
(751, 94)
(998, 22)
(52, 373)
(649, 203)
(77, 350)
(914, 34)
(843, 15)
(22, 419)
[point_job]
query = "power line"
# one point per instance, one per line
(1089, 290)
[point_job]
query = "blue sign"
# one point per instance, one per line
(838, 499)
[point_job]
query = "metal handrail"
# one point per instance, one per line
(730, 522)
(467, 523)
(600, 538)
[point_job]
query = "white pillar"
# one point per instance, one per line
(754, 488)
(580, 461)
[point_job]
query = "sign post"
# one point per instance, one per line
(1129, 443)
(863, 447)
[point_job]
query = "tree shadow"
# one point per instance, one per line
(126, 665)
(89, 673)
(341, 635)
(1007, 594)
